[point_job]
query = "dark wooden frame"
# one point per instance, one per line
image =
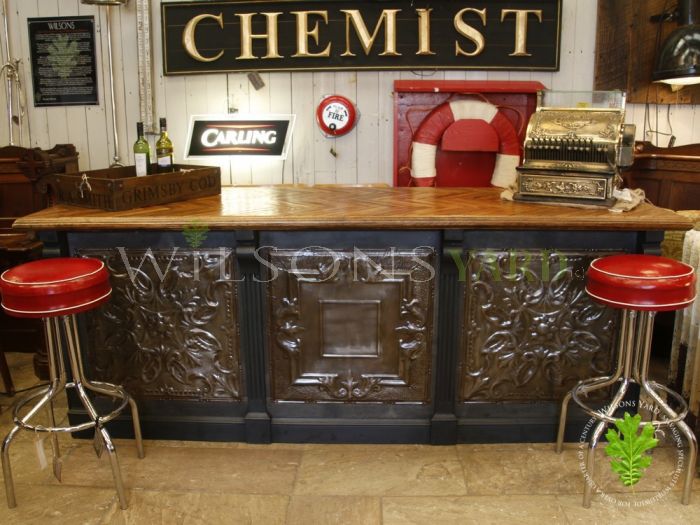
(670, 177)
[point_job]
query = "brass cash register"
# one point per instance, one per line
(574, 148)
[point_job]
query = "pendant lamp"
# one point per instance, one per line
(678, 61)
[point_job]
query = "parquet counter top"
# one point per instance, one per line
(343, 314)
(352, 207)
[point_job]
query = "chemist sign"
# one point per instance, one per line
(274, 35)
(233, 135)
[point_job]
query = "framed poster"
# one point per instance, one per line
(64, 71)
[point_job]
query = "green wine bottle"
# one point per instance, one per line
(164, 149)
(142, 152)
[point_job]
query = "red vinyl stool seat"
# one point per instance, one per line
(51, 287)
(55, 290)
(639, 285)
(641, 282)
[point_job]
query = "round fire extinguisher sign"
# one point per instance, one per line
(336, 115)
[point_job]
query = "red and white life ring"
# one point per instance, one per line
(428, 134)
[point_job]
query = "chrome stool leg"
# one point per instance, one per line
(586, 387)
(7, 469)
(639, 285)
(692, 461)
(590, 463)
(137, 427)
(101, 432)
(562, 422)
(108, 389)
(649, 388)
(633, 367)
(116, 470)
(56, 385)
(625, 362)
(599, 382)
(47, 289)
(57, 370)
(595, 438)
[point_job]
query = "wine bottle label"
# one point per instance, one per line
(164, 161)
(141, 164)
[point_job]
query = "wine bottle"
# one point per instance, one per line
(142, 152)
(164, 149)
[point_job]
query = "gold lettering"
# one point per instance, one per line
(354, 18)
(468, 31)
(424, 32)
(521, 28)
(247, 36)
(303, 34)
(189, 33)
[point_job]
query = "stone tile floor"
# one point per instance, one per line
(230, 483)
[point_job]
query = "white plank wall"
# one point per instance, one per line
(363, 156)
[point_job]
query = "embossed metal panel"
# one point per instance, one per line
(351, 326)
(170, 330)
(530, 331)
(560, 184)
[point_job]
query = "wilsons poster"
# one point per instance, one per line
(204, 37)
(63, 61)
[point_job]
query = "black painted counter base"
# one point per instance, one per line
(443, 336)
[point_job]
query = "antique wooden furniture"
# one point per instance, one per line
(640, 286)
(670, 177)
(326, 314)
(55, 290)
(21, 192)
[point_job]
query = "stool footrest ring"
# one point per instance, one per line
(118, 392)
(585, 387)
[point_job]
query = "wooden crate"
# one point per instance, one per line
(116, 189)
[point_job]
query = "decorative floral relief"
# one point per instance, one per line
(530, 330)
(348, 388)
(549, 123)
(170, 328)
(563, 187)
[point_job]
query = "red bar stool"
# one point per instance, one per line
(55, 290)
(640, 285)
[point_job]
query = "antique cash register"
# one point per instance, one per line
(575, 145)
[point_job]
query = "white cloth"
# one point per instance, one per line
(687, 329)
(635, 199)
(504, 172)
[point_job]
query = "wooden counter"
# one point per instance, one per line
(350, 314)
(306, 207)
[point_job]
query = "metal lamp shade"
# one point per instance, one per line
(104, 2)
(679, 58)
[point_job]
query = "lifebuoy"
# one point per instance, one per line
(428, 134)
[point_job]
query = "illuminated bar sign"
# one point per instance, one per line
(213, 135)
(206, 37)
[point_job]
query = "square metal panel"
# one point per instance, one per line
(350, 328)
(351, 325)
